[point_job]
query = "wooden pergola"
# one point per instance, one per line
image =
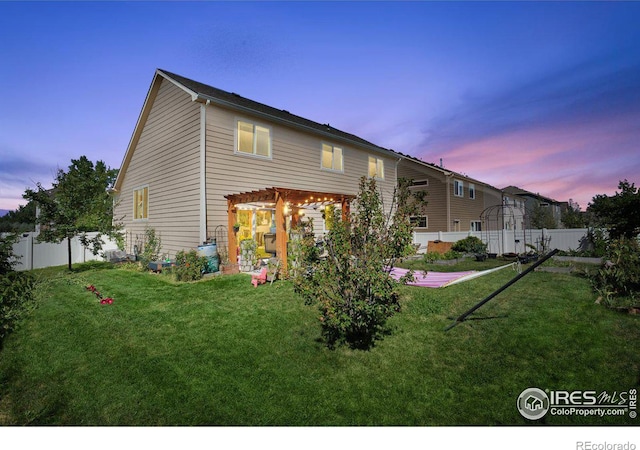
(286, 202)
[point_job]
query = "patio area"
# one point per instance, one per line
(268, 216)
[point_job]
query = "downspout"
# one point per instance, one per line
(448, 185)
(203, 172)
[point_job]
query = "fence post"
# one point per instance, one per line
(29, 251)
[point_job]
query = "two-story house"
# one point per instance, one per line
(202, 159)
(456, 202)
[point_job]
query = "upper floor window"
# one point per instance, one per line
(376, 167)
(332, 157)
(253, 139)
(141, 203)
(458, 188)
(472, 192)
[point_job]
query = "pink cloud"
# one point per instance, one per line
(561, 162)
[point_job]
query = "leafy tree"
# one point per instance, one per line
(572, 217)
(352, 285)
(78, 203)
(21, 220)
(619, 213)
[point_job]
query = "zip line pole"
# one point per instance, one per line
(463, 316)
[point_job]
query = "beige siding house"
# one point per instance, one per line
(455, 201)
(201, 160)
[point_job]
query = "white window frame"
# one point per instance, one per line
(333, 149)
(472, 191)
(145, 206)
(254, 125)
(458, 188)
(379, 164)
(419, 218)
(473, 226)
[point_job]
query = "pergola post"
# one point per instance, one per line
(346, 209)
(233, 242)
(281, 231)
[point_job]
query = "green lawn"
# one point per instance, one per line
(219, 352)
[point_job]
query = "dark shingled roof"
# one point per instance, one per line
(234, 100)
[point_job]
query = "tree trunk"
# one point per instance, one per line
(69, 251)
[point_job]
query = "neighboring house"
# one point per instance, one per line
(455, 201)
(514, 211)
(202, 160)
(534, 201)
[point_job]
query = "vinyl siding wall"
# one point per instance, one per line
(295, 164)
(463, 209)
(437, 193)
(166, 159)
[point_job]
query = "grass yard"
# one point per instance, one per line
(219, 352)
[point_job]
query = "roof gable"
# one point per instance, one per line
(236, 101)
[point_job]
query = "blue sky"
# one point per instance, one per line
(542, 95)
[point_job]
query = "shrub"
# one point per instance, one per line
(150, 248)
(470, 244)
(430, 257)
(189, 266)
(618, 279)
(451, 254)
(16, 300)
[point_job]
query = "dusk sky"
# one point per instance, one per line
(545, 95)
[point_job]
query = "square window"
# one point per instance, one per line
(419, 221)
(253, 139)
(332, 157)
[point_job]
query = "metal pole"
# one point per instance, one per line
(463, 316)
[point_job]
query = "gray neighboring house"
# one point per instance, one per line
(533, 200)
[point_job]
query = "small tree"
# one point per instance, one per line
(78, 203)
(353, 286)
(542, 217)
(572, 217)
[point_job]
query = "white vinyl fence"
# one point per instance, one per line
(509, 241)
(32, 254)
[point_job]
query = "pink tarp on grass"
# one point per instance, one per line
(429, 279)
